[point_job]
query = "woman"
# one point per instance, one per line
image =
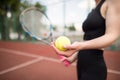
(101, 28)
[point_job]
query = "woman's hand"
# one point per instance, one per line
(71, 58)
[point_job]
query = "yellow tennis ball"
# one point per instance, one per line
(61, 41)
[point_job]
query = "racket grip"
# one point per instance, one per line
(66, 62)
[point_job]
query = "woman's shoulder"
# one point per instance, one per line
(103, 9)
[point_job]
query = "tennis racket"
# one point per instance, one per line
(36, 24)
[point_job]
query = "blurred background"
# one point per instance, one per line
(67, 17)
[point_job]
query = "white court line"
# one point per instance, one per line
(19, 53)
(28, 54)
(45, 58)
(20, 66)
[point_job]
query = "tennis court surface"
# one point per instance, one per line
(28, 61)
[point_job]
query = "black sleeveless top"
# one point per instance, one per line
(94, 25)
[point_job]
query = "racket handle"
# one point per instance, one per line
(66, 62)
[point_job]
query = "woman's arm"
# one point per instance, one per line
(112, 28)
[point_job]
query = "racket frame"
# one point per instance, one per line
(32, 35)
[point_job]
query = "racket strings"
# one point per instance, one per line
(36, 24)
